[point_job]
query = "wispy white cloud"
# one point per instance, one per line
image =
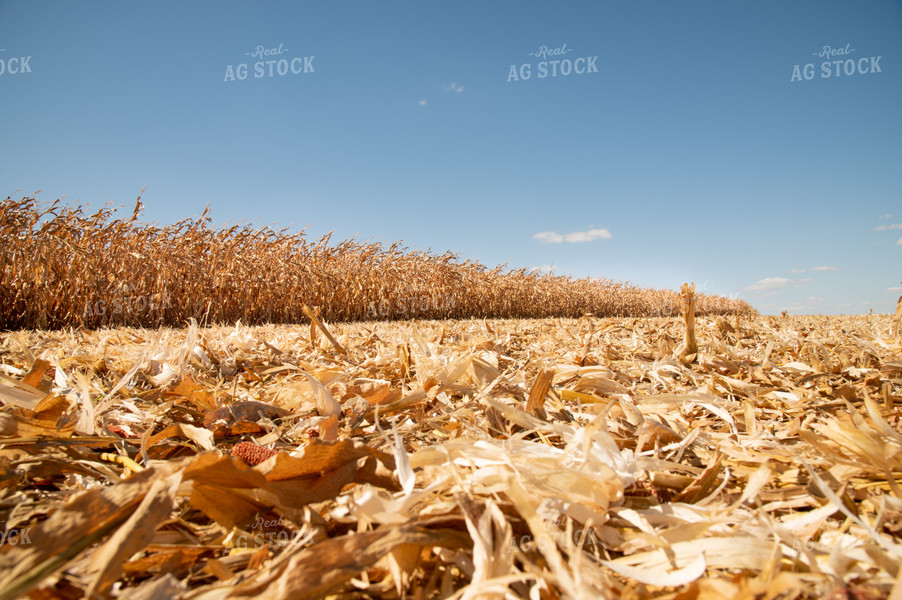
(422, 102)
(886, 227)
(772, 284)
(576, 237)
(886, 216)
(587, 236)
(548, 237)
(453, 87)
(893, 289)
(769, 284)
(899, 243)
(797, 270)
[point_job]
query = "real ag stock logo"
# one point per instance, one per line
(13, 65)
(553, 63)
(15, 537)
(839, 63)
(270, 64)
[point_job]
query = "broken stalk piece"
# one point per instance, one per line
(687, 307)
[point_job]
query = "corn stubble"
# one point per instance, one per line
(60, 267)
(533, 458)
(897, 321)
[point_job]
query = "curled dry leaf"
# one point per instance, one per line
(241, 418)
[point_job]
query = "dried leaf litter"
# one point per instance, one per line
(556, 458)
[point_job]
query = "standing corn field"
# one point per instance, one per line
(60, 267)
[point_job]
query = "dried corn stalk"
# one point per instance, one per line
(61, 268)
(535, 404)
(687, 308)
(897, 322)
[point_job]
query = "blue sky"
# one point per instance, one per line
(687, 154)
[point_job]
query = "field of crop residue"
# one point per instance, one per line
(552, 458)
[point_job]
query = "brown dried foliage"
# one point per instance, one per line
(60, 267)
(556, 458)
